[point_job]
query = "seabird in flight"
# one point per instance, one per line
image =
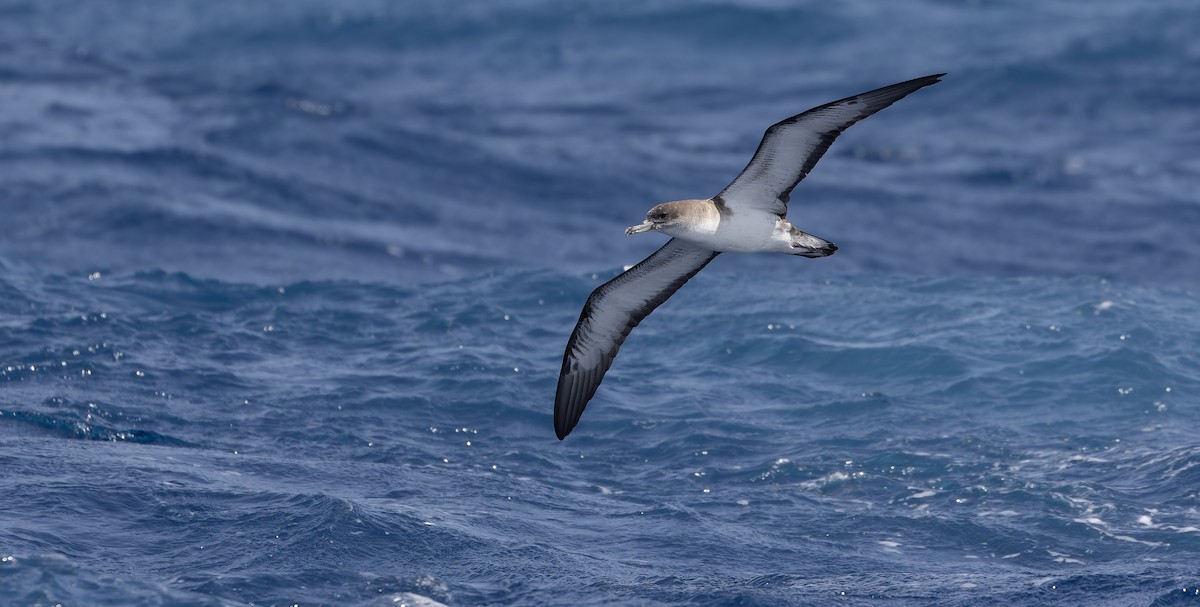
(748, 216)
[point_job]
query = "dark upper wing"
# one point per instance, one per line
(611, 312)
(791, 147)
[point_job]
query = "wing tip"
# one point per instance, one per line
(925, 81)
(567, 409)
(562, 427)
(910, 85)
(922, 82)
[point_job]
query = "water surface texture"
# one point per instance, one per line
(284, 288)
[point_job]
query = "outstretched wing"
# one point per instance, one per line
(791, 147)
(611, 312)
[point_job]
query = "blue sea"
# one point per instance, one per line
(285, 287)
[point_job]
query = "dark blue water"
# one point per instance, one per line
(284, 289)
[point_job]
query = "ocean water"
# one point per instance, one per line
(284, 289)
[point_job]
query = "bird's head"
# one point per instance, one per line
(665, 216)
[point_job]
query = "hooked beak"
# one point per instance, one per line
(807, 245)
(645, 226)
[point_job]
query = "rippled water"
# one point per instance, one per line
(284, 289)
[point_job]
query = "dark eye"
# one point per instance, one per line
(659, 216)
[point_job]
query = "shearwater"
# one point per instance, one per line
(748, 216)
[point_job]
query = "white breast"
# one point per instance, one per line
(739, 232)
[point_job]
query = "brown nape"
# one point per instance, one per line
(689, 212)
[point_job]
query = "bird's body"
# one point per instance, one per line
(709, 224)
(748, 216)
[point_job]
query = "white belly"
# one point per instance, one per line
(754, 234)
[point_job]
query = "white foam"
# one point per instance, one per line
(410, 599)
